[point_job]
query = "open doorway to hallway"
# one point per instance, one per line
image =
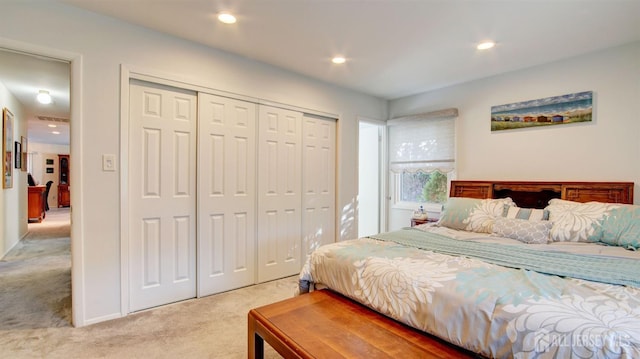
(35, 261)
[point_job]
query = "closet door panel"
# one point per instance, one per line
(279, 192)
(318, 194)
(227, 193)
(162, 203)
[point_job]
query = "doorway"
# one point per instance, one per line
(371, 140)
(37, 244)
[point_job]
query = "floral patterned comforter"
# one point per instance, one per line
(489, 309)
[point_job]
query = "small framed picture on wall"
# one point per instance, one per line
(23, 141)
(17, 152)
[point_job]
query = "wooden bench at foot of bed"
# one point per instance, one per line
(324, 324)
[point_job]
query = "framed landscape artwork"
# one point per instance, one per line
(7, 148)
(550, 111)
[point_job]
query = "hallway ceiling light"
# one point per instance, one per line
(338, 60)
(52, 125)
(44, 97)
(226, 18)
(486, 45)
(55, 132)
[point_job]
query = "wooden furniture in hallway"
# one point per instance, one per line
(64, 196)
(36, 203)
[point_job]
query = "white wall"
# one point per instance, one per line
(607, 149)
(13, 201)
(104, 45)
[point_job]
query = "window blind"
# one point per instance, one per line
(424, 143)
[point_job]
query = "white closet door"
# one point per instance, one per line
(227, 194)
(318, 182)
(162, 195)
(279, 193)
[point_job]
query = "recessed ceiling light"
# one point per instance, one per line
(226, 18)
(52, 125)
(338, 60)
(44, 97)
(486, 45)
(55, 132)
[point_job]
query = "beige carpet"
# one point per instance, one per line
(35, 307)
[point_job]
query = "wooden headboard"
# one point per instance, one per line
(538, 194)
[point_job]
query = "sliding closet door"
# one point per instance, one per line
(318, 182)
(227, 194)
(279, 193)
(162, 195)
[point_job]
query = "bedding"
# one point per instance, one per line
(529, 214)
(495, 296)
(576, 222)
(608, 223)
(620, 227)
(525, 231)
(472, 214)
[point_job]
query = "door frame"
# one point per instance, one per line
(382, 165)
(129, 72)
(75, 144)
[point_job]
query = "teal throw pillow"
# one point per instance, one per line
(621, 227)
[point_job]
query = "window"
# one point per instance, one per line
(422, 159)
(421, 187)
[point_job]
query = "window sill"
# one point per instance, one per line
(413, 206)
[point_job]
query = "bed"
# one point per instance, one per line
(511, 269)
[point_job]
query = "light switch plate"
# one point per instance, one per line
(109, 163)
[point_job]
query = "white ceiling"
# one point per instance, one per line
(24, 75)
(394, 47)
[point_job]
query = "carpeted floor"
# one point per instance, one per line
(35, 310)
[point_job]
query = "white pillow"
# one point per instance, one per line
(483, 216)
(472, 214)
(575, 221)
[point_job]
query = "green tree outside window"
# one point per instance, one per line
(422, 187)
(435, 190)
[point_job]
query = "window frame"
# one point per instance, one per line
(397, 203)
(395, 182)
